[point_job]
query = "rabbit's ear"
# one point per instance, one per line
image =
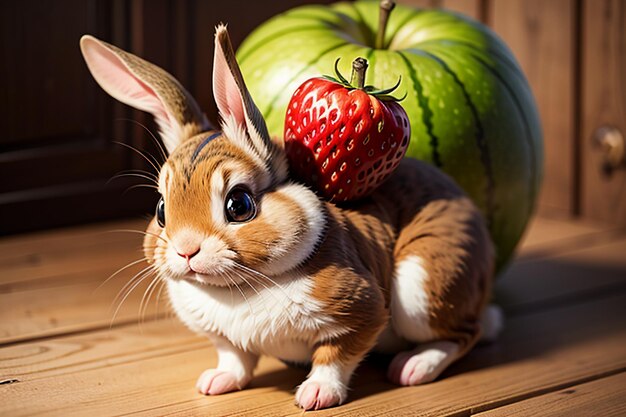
(146, 87)
(242, 120)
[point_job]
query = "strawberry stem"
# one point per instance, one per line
(386, 6)
(359, 66)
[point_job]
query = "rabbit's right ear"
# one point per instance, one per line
(241, 118)
(146, 87)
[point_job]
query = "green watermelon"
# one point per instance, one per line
(471, 109)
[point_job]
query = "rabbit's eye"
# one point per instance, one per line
(160, 212)
(240, 206)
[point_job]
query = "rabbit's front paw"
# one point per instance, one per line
(315, 394)
(215, 382)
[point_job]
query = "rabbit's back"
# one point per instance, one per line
(425, 245)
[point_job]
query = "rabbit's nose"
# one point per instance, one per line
(188, 254)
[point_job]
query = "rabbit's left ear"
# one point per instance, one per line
(242, 120)
(146, 87)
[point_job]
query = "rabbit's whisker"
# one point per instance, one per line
(154, 139)
(131, 174)
(145, 299)
(132, 187)
(130, 282)
(256, 291)
(159, 294)
(243, 295)
(270, 289)
(140, 232)
(147, 272)
(263, 276)
(120, 270)
(251, 274)
(141, 171)
(152, 161)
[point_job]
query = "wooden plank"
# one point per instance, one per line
(471, 8)
(540, 33)
(546, 236)
(69, 238)
(48, 280)
(579, 272)
(604, 103)
(78, 353)
(604, 397)
(420, 3)
(538, 353)
(69, 310)
(70, 306)
(40, 267)
(42, 287)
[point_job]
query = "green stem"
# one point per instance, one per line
(386, 6)
(359, 66)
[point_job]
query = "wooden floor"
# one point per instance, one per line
(563, 351)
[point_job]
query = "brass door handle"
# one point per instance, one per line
(610, 141)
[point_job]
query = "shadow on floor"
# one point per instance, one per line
(550, 304)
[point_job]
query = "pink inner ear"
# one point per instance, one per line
(225, 90)
(116, 79)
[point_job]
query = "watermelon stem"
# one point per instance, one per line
(359, 67)
(386, 6)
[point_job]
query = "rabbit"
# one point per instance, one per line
(262, 265)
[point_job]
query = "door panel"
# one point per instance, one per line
(603, 104)
(541, 35)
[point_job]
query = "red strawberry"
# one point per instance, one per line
(343, 140)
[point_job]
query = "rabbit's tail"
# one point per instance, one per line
(492, 323)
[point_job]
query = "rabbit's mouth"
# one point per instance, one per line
(221, 277)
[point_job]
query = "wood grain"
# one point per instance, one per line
(35, 85)
(575, 274)
(541, 35)
(471, 8)
(70, 237)
(545, 236)
(78, 353)
(528, 359)
(47, 278)
(50, 257)
(73, 307)
(604, 103)
(604, 397)
(420, 3)
(566, 326)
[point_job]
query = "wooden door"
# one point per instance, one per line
(59, 130)
(603, 109)
(57, 147)
(541, 34)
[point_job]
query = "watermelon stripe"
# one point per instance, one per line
(273, 37)
(279, 93)
(527, 130)
(512, 67)
(427, 114)
(489, 51)
(481, 141)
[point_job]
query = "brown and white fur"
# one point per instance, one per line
(407, 270)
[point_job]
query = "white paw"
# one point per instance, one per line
(215, 382)
(317, 394)
(423, 364)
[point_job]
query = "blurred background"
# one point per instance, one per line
(58, 129)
